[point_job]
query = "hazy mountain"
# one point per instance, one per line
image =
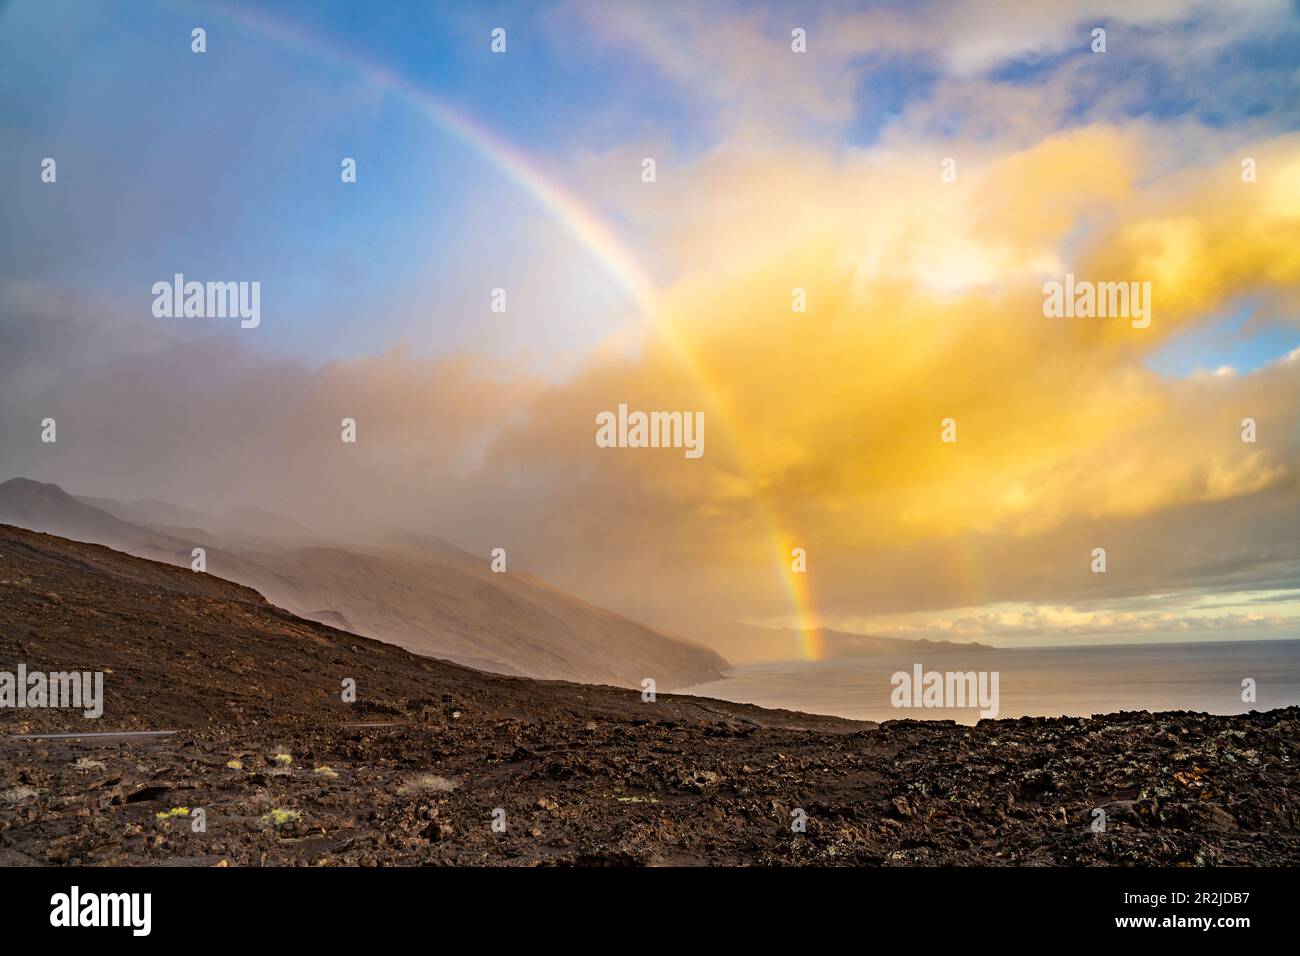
(47, 507)
(163, 514)
(745, 644)
(421, 593)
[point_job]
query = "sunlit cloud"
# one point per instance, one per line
(924, 303)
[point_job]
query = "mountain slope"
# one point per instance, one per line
(163, 514)
(186, 649)
(428, 596)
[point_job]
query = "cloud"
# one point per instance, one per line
(823, 428)
(926, 304)
(1064, 623)
(740, 62)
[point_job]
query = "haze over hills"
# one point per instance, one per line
(47, 507)
(159, 514)
(422, 594)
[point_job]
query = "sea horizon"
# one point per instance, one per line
(1067, 681)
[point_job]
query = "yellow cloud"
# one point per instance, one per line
(834, 415)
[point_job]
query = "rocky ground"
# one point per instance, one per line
(281, 771)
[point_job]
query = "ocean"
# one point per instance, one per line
(1042, 682)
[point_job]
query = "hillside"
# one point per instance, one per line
(426, 595)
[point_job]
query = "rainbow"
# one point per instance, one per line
(593, 235)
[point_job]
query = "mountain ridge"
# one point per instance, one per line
(444, 604)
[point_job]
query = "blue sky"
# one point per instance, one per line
(227, 164)
(1235, 340)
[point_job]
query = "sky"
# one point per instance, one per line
(920, 171)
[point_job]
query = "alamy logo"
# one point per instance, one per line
(651, 430)
(103, 909)
(951, 689)
(1084, 299)
(36, 689)
(208, 300)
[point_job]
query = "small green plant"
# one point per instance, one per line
(283, 760)
(174, 812)
(326, 772)
(279, 817)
